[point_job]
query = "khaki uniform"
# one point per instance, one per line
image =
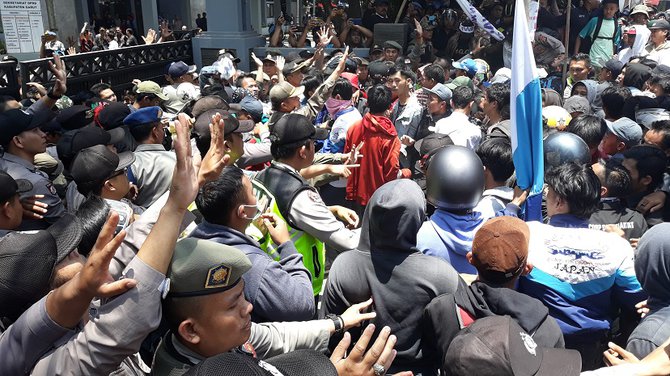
(267, 339)
(152, 172)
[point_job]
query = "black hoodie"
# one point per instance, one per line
(448, 313)
(388, 267)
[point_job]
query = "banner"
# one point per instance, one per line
(479, 20)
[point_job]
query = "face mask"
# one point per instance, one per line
(255, 209)
(336, 105)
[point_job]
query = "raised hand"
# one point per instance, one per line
(184, 186)
(256, 60)
(150, 37)
(281, 61)
(58, 70)
(216, 158)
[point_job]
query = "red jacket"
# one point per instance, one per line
(379, 163)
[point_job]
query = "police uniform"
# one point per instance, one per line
(153, 166)
(203, 267)
(19, 168)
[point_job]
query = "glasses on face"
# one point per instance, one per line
(124, 171)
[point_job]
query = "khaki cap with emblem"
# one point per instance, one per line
(284, 90)
(150, 87)
(202, 267)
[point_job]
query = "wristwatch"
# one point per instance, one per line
(337, 320)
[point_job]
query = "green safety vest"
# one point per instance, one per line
(312, 249)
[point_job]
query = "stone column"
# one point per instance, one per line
(149, 17)
(229, 26)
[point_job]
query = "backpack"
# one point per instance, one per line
(588, 42)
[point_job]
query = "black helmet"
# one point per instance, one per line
(455, 178)
(564, 147)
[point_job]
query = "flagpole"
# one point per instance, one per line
(567, 44)
(402, 8)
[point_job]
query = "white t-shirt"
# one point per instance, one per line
(460, 129)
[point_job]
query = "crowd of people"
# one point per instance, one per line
(334, 214)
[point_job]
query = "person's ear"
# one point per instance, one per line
(527, 269)
(188, 331)
(468, 256)
(303, 152)
(620, 146)
(4, 209)
(645, 180)
(108, 185)
(603, 191)
(17, 141)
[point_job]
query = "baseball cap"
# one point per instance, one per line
(640, 8)
(28, 260)
(293, 67)
(392, 44)
(250, 105)
(379, 69)
(497, 345)
(376, 48)
(630, 30)
(361, 61)
(75, 117)
(285, 90)
(111, 115)
(150, 87)
(202, 267)
(659, 24)
(179, 68)
(230, 55)
(71, 143)
(208, 103)
(143, 116)
(577, 103)
(231, 123)
(466, 27)
(14, 122)
(502, 75)
(500, 249)
(98, 163)
(305, 362)
(460, 81)
(626, 130)
(468, 65)
(9, 187)
(442, 92)
(293, 128)
(614, 66)
(352, 78)
(430, 144)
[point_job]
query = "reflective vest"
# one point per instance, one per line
(275, 188)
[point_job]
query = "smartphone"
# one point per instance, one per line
(125, 214)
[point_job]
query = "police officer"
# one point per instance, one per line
(311, 222)
(22, 139)
(208, 314)
(153, 166)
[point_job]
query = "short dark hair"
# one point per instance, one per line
(344, 88)
(217, 199)
(286, 151)
(617, 180)
(142, 132)
(496, 156)
(500, 93)
(650, 161)
(613, 99)
(311, 82)
(140, 96)
(99, 87)
(663, 127)
(589, 128)
(581, 57)
(92, 215)
(661, 79)
(379, 99)
(578, 185)
(462, 96)
(406, 72)
(434, 72)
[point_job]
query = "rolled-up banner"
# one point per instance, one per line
(477, 18)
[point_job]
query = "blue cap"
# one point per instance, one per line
(143, 116)
(179, 68)
(467, 65)
(442, 92)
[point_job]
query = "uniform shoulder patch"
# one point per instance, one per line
(314, 197)
(52, 189)
(217, 277)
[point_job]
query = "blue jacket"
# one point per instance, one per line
(581, 275)
(449, 236)
(279, 290)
